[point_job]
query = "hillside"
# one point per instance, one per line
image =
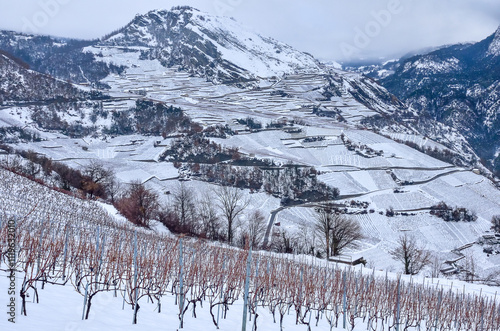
(161, 124)
(216, 48)
(186, 57)
(457, 85)
(58, 57)
(21, 85)
(88, 280)
(193, 126)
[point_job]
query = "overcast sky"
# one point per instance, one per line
(329, 29)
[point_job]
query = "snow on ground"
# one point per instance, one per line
(369, 179)
(431, 181)
(61, 307)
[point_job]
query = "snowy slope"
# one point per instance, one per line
(215, 47)
(19, 84)
(60, 307)
(494, 48)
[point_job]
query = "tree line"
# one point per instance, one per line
(216, 214)
(94, 180)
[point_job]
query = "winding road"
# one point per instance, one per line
(274, 213)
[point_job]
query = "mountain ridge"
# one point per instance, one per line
(164, 51)
(457, 85)
(494, 48)
(217, 48)
(20, 84)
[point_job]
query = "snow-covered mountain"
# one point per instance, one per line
(162, 46)
(494, 47)
(190, 100)
(458, 85)
(22, 85)
(217, 48)
(199, 61)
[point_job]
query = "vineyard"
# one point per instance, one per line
(66, 241)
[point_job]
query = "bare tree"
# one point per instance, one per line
(435, 263)
(306, 240)
(257, 227)
(31, 168)
(413, 256)
(98, 172)
(139, 204)
(469, 268)
(114, 189)
(184, 207)
(281, 241)
(211, 225)
(98, 178)
(12, 162)
(323, 226)
(337, 231)
(495, 223)
(232, 202)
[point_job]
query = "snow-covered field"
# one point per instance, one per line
(371, 179)
(61, 307)
(375, 175)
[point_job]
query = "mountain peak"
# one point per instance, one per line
(178, 10)
(494, 48)
(217, 48)
(184, 8)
